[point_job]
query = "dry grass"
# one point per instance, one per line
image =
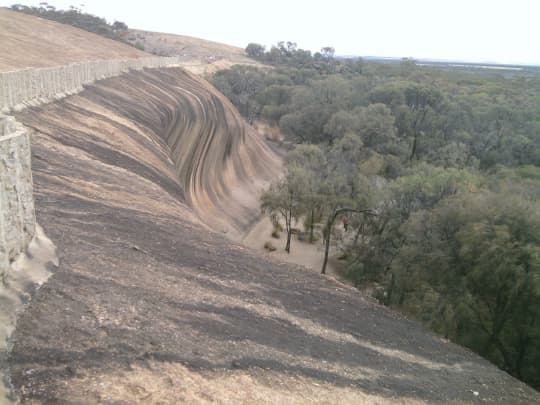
(182, 45)
(28, 41)
(173, 383)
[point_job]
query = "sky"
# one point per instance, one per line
(500, 31)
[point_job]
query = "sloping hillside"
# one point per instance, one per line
(171, 44)
(148, 305)
(28, 41)
(199, 55)
(49, 43)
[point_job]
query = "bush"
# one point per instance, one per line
(269, 246)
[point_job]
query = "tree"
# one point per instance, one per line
(339, 124)
(328, 52)
(407, 66)
(119, 26)
(312, 160)
(255, 50)
(469, 267)
(241, 84)
(330, 224)
(284, 198)
(343, 174)
(417, 117)
(376, 128)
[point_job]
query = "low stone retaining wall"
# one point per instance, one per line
(37, 85)
(17, 219)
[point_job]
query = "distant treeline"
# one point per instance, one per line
(436, 174)
(75, 17)
(288, 54)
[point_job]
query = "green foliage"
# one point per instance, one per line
(255, 50)
(475, 257)
(241, 84)
(284, 198)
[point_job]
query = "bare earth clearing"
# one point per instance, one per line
(302, 253)
(150, 305)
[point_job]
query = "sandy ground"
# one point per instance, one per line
(27, 273)
(309, 255)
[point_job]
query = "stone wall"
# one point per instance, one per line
(37, 85)
(17, 219)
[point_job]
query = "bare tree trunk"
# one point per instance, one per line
(390, 291)
(288, 227)
(328, 230)
(311, 226)
(288, 245)
(326, 250)
(358, 232)
(414, 145)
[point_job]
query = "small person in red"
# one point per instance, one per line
(345, 222)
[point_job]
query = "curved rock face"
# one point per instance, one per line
(221, 164)
(148, 305)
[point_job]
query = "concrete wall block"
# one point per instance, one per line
(17, 217)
